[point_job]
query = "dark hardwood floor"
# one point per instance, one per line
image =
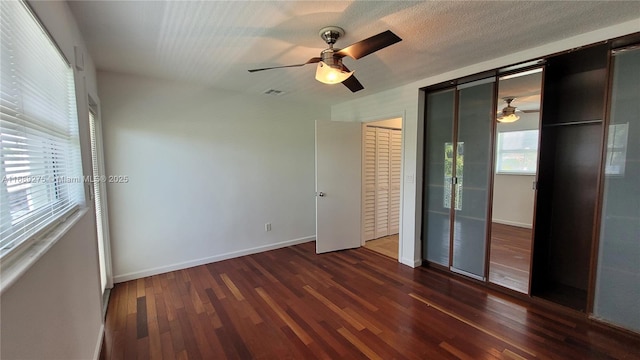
(355, 304)
(510, 256)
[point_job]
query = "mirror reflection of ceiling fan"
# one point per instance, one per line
(330, 69)
(509, 113)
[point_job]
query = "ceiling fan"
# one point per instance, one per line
(508, 113)
(330, 69)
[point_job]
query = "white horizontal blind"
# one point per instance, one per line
(39, 146)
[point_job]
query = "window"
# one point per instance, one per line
(40, 169)
(517, 152)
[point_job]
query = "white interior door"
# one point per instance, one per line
(338, 185)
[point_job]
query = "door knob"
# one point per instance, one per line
(321, 194)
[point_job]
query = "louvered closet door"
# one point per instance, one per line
(369, 185)
(395, 166)
(383, 156)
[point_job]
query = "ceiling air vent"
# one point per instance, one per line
(273, 92)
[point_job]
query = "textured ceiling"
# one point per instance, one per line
(216, 42)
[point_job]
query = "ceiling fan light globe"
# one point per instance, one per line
(508, 118)
(330, 75)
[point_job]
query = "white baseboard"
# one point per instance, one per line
(411, 262)
(210, 259)
(513, 223)
(96, 352)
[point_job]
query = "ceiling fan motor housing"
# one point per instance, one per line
(508, 110)
(328, 58)
(330, 35)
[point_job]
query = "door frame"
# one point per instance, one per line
(402, 117)
(94, 107)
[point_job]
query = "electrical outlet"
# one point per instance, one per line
(267, 227)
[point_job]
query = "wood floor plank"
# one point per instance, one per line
(140, 287)
(132, 295)
(359, 344)
(336, 309)
(291, 303)
(472, 324)
(167, 346)
(131, 337)
(142, 330)
(455, 351)
(231, 337)
(300, 333)
(232, 287)
(177, 342)
(155, 341)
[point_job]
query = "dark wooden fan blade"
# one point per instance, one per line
(310, 61)
(370, 45)
(352, 83)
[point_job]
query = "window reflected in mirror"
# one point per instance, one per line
(616, 149)
(448, 174)
(517, 152)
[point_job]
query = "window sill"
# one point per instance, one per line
(13, 266)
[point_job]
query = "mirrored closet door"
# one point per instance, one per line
(514, 178)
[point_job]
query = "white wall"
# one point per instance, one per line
(404, 101)
(513, 200)
(54, 310)
(207, 168)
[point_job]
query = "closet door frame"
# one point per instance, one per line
(517, 68)
(370, 127)
(512, 70)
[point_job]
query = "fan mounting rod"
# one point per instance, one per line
(331, 34)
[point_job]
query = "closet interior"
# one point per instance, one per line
(381, 175)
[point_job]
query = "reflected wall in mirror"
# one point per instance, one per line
(516, 141)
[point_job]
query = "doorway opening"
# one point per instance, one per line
(381, 179)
